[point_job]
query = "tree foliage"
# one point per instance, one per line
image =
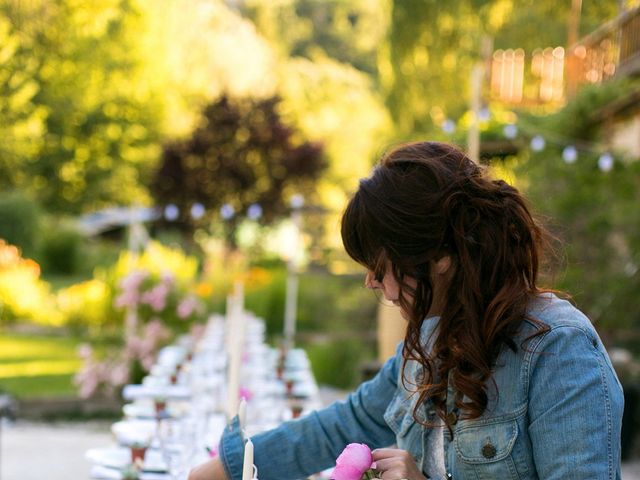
(82, 126)
(349, 32)
(594, 213)
(241, 154)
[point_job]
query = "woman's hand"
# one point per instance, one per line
(210, 470)
(396, 464)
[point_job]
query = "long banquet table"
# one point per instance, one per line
(173, 420)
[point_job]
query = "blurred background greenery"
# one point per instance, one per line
(209, 117)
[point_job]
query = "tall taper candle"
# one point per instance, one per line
(242, 414)
(247, 466)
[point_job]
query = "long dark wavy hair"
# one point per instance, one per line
(427, 200)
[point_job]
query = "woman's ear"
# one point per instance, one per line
(443, 265)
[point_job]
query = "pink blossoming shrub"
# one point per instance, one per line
(151, 298)
(107, 374)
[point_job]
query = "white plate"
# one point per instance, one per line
(120, 457)
(134, 431)
(99, 472)
(147, 410)
(169, 392)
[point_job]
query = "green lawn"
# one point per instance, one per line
(38, 366)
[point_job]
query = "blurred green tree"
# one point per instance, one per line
(593, 212)
(241, 154)
(71, 71)
(348, 32)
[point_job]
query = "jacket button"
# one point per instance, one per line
(449, 476)
(488, 450)
(452, 418)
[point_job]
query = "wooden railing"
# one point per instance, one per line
(613, 50)
(518, 79)
(547, 76)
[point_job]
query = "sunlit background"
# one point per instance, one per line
(181, 145)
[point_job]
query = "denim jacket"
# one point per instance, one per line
(556, 414)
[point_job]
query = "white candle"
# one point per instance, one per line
(247, 466)
(234, 353)
(242, 414)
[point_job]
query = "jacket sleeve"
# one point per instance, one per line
(575, 407)
(308, 445)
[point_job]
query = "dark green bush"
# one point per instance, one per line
(62, 250)
(20, 221)
(339, 362)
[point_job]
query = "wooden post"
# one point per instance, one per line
(572, 66)
(477, 78)
(391, 330)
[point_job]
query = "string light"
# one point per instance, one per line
(484, 115)
(296, 201)
(570, 154)
(227, 211)
(538, 143)
(605, 162)
(254, 212)
(510, 131)
(197, 211)
(448, 126)
(171, 212)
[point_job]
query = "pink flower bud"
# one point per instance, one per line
(346, 472)
(245, 393)
(354, 460)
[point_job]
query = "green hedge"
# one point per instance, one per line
(20, 221)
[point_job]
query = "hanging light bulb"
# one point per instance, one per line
(510, 131)
(605, 162)
(484, 115)
(197, 211)
(254, 212)
(538, 143)
(227, 211)
(570, 154)
(296, 201)
(171, 212)
(448, 126)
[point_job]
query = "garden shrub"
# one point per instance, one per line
(338, 363)
(61, 250)
(20, 220)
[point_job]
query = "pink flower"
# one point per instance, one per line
(126, 299)
(167, 278)
(119, 375)
(346, 472)
(245, 393)
(133, 281)
(354, 460)
(156, 297)
(187, 307)
(197, 331)
(88, 386)
(156, 331)
(85, 351)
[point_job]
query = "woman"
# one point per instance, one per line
(496, 378)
